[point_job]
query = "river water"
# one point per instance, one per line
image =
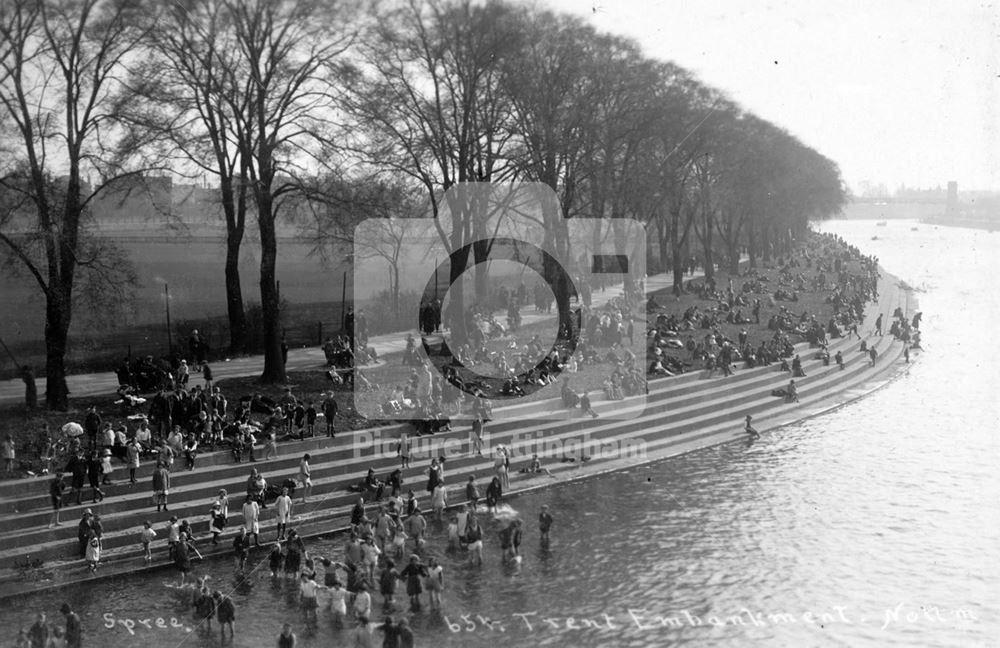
(875, 525)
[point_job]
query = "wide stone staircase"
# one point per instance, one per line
(679, 414)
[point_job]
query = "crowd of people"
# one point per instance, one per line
(849, 277)
(387, 540)
(386, 550)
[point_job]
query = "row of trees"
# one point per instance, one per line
(345, 110)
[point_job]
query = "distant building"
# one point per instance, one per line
(951, 206)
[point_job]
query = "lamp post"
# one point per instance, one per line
(166, 300)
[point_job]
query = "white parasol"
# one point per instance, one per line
(72, 429)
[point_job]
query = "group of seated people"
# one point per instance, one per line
(624, 382)
(341, 355)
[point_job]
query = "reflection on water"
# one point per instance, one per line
(876, 525)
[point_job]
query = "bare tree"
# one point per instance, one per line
(551, 90)
(284, 69)
(187, 92)
(60, 61)
(432, 109)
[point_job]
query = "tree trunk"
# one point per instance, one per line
(480, 252)
(708, 252)
(734, 257)
(234, 294)
(752, 244)
(765, 244)
(455, 315)
(394, 289)
(664, 248)
(235, 215)
(274, 366)
(57, 320)
(677, 252)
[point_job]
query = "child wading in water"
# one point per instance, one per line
(545, 523)
(387, 582)
(307, 591)
(414, 573)
(435, 583)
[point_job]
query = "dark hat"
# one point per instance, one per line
(65, 609)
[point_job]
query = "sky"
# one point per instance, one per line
(895, 91)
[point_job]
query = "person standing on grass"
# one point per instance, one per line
(206, 373)
(56, 491)
(305, 477)
(329, 407)
(146, 537)
(30, 389)
(161, 486)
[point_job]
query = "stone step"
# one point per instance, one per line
(330, 460)
(663, 444)
(686, 418)
(291, 452)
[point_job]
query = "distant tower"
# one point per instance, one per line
(951, 208)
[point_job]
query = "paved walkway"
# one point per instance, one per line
(95, 384)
